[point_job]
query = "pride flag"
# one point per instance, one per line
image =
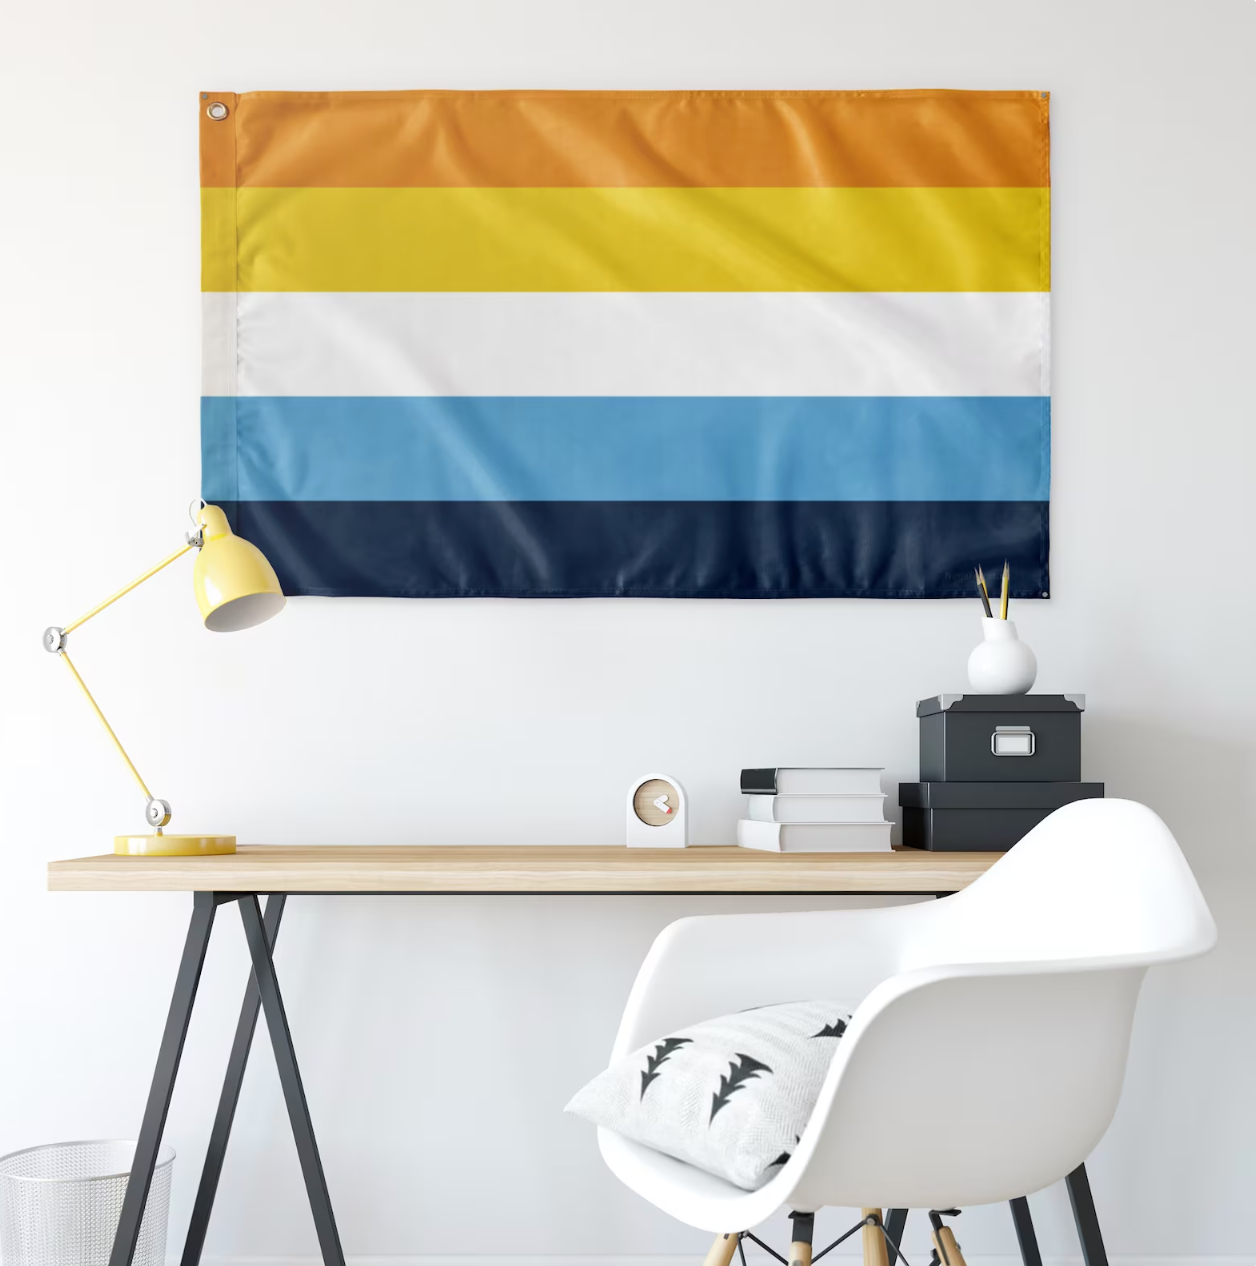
(656, 344)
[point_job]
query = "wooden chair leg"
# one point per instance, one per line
(800, 1253)
(803, 1231)
(721, 1252)
(948, 1249)
(875, 1250)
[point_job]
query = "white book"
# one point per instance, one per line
(812, 781)
(814, 837)
(847, 808)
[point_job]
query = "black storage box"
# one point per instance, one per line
(1001, 738)
(980, 817)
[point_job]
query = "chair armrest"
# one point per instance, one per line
(713, 965)
(968, 1084)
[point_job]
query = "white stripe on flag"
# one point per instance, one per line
(630, 344)
(218, 344)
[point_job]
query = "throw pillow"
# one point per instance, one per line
(731, 1095)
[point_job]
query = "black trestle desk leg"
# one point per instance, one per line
(194, 1245)
(1025, 1235)
(149, 1142)
(1093, 1252)
(895, 1221)
(290, 1080)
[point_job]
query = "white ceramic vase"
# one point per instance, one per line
(1001, 664)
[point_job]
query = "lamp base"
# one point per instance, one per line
(173, 845)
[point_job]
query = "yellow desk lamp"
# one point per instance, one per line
(236, 588)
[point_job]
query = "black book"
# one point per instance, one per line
(812, 781)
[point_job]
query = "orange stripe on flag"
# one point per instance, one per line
(218, 141)
(622, 139)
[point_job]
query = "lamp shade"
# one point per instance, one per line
(236, 587)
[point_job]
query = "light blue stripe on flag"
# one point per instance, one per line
(674, 448)
(219, 469)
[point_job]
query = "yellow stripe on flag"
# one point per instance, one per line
(218, 239)
(624, 239)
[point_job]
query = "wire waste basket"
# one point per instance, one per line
(60, 1204)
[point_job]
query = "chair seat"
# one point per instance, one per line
(688, 1194)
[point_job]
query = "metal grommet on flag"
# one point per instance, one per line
(217, 111)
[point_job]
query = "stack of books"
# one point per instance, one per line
(814, 811)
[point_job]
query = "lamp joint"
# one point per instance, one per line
(54, 640)
(157, 813)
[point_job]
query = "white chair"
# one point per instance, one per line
(985, 1058)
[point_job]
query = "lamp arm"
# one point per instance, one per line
(157, 812)
(100, 716)
(193, 543)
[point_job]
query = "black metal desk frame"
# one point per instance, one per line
(262, 992)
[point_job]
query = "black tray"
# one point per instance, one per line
(981, 817)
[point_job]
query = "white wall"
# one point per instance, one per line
(441, 1037)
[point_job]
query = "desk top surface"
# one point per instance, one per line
(522, 868)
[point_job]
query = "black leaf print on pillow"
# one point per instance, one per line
(668, 1046)
(784, 1156)
(836, 1029)
(740, 1071)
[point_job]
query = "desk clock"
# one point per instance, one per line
(657, 816)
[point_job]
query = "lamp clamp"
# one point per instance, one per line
(54, 640)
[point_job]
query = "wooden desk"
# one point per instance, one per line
(522, 869)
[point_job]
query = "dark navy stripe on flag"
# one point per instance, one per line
(626, 448)
(646, 549)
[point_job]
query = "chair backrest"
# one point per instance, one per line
(992, 1063)
(1098, 882)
